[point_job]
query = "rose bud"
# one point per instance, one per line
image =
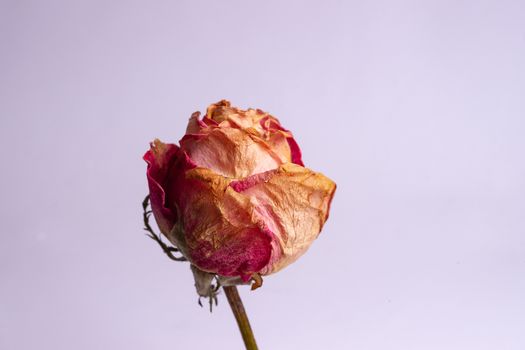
(234, 197)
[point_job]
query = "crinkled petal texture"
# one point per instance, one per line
(292, 202)
(235, 197)
(237, 143)
(160, 159)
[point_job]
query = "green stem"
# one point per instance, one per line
(240, 315)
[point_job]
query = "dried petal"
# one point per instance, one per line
(293, 202)
(235, 198)
(160, 158)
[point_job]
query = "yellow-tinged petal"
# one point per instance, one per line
(220, 233)
(231, 152)
(294, 204)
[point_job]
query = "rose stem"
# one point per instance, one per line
(240, 315)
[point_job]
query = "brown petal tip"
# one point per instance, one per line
(257, 281)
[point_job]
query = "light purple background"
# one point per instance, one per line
(415, 108)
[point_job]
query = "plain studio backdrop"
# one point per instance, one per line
(415, 108)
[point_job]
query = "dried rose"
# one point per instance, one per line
(234, 197)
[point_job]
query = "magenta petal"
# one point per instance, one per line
(246, 254)
(160, 158)
(296, 151)
(250, 181)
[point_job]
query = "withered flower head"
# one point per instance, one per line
(235, 197)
